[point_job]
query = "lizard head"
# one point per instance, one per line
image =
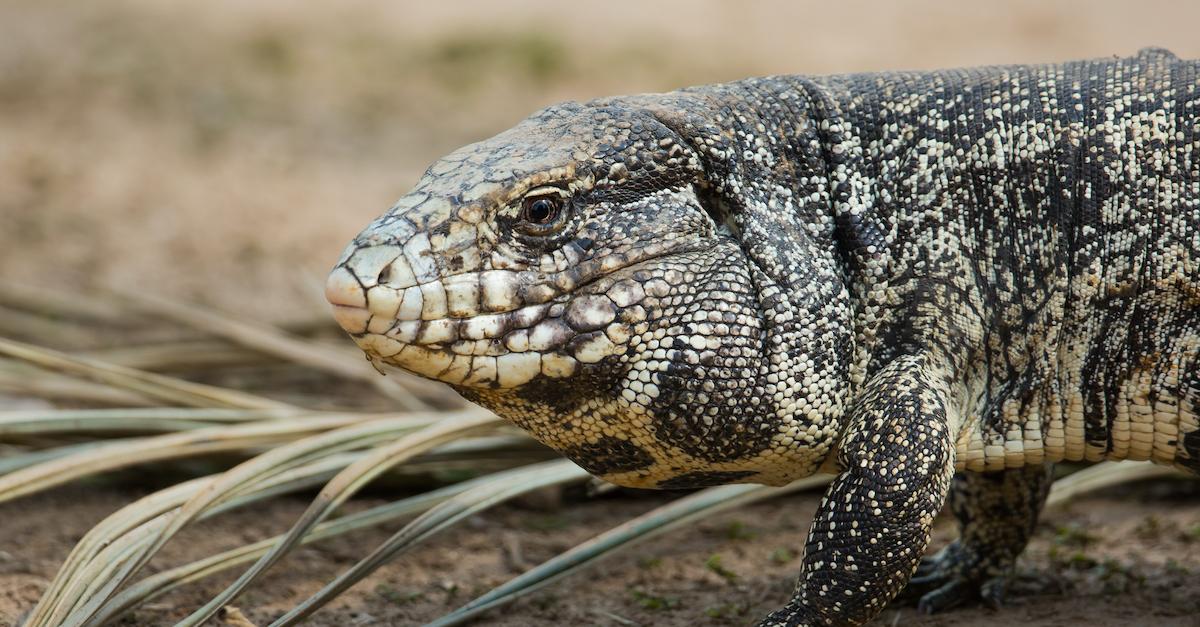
(568, 275)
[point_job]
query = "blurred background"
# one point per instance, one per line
(223, 152)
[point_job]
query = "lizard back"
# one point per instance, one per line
(1040, 225)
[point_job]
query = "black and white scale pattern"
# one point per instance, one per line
(889, 276)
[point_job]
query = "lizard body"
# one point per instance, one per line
(892, 277)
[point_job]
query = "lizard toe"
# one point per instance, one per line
(952, 593)
(959, 590)
(927, 566)
(952, 576)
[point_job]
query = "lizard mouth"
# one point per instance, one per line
(489, 335)
(575, 324)
(452, 351)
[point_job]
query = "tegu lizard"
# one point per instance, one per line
(933, 284)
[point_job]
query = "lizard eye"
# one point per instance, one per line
(541, 211)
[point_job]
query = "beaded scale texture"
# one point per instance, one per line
(893, 277)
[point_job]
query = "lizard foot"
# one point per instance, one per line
(955, 575)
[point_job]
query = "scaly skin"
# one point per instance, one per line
(888, 276)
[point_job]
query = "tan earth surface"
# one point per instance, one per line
(223, 152)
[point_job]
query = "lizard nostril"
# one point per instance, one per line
(384, 275)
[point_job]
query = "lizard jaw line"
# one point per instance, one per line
(527, 343)
(440, 363)
(503, 349)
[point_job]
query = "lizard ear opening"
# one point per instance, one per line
(701, 137)
(717, 208)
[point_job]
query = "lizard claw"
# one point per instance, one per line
(959, 590)
(951, 577)
(926, 567)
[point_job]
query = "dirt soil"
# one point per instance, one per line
(223, 152)
(1130, 556)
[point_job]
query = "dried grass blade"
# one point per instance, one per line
(1103, 476)
(126, 539)
(157, 386)
(91, 585)
(179, 355)
(26, 380)
(160, 583)
(171, 446)
(342, 487)
(686, 510)
(13, 463)
(156, 419)
(496, 489)
(15, 323)
(272, 341)
(40, 300)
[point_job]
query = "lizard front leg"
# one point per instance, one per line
(873, 524)
(996, 513)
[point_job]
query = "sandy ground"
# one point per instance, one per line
(1127, 557)
(223, 152)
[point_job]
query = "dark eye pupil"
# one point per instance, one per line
(541, 210)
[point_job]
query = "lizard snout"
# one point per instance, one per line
(365, 283)
(349, 300)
